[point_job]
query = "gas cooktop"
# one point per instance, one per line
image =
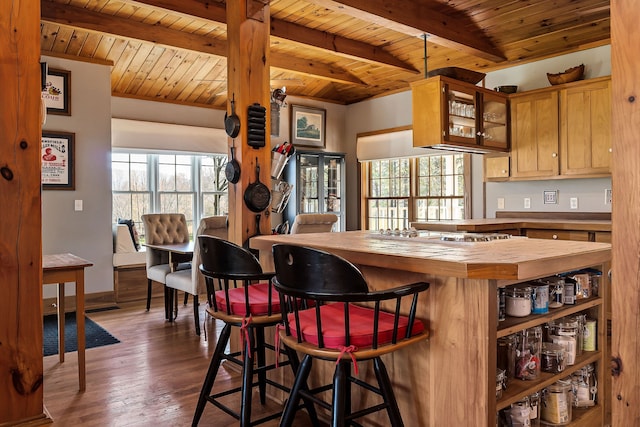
(445, 236)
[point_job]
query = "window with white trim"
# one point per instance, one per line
(194, 185)
(404, 190)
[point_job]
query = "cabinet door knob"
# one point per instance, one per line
(610, 150)
(504, 171)
(554, 237)
(554, 155)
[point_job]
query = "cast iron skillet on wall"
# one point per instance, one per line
(257, 196)
(232, 122)
(232, 170)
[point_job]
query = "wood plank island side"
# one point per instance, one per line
(450, 379)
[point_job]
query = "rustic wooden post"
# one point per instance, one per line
(21, 365)
(625, 289)
(248, 83)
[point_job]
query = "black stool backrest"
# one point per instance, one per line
(223, 257)
(225, 266)
(316, 272)
(307, 277)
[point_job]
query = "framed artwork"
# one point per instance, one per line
(308, 126)
(57, 160)
(57, 92)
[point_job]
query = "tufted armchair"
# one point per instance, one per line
(313, 223)
(190, 280)
(163, 228)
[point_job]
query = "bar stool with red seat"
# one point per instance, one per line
(240, 294)
(345, 323)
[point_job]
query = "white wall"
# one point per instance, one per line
(590, 192)
(86, 233)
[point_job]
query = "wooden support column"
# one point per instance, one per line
(248, 82)
(21, 365)
(625, 279)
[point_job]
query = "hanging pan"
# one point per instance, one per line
(257, 196)
(232, 122)
(232, 170)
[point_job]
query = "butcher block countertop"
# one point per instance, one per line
(494, 224)
(517, 258)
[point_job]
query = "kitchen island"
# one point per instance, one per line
(449, 380)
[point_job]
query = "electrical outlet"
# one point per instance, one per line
(607, 196)
(527, 203)
(573, 203)
(500, 202)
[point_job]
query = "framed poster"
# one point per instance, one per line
(307, 126)
(57, 92)
(57, 160)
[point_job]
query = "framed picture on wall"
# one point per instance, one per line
(57, 92)
(308, 126)
(57, 161)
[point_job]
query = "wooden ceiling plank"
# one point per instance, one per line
(191, 66)
(413, 18)
(104, 46)
(77, 41)
(337, 44)
(289, 31)
(90, 45)
(82, 18)
(63, 37)
(129, 74)
(145, 68)
(119, 75)
(156, 72)
(48, 35)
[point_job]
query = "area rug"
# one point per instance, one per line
(96, 335)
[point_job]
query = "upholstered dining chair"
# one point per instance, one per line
(189, 280)
(313, 223)
(163, 228)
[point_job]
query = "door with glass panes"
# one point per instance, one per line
(318, 185)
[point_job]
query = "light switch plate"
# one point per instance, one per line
(527, 203)
(500, 202)
(78, 205)
(607, 196)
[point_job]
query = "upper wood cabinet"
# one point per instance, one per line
(534, 135)
(450, 114)
(585, 129)
(563, 131)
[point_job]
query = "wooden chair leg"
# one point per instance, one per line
(340, 379)
(211, 373)
(387, 392)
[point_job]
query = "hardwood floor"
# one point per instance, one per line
(151, 378)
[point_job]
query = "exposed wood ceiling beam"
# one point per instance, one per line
(289, 31)
(416, 18)
(93, 21)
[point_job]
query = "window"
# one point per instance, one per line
(145, 182)
(427, 188)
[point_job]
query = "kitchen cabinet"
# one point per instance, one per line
(453, 115)
(534, 131)
(562, 132)
(318, 181)
(585, 128)
(496, 168)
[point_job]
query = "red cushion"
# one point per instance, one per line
(258, 300)
(360, 326)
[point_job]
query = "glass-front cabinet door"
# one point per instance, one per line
(494, 121)
(461, 114)
(318, 185)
